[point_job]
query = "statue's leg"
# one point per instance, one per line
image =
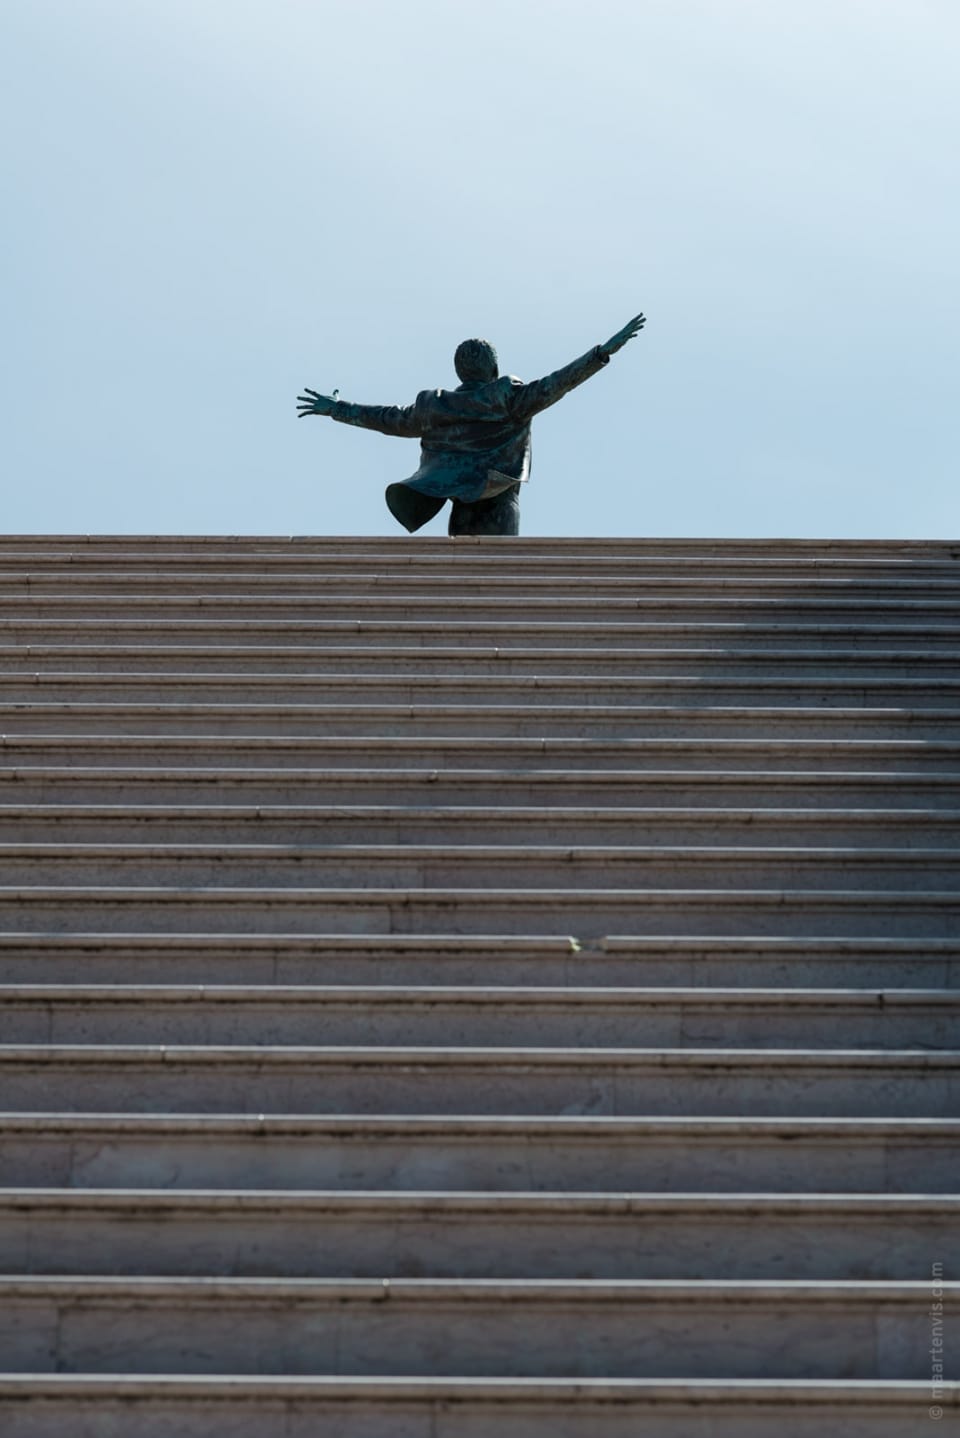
(499, 515)
(412, 508)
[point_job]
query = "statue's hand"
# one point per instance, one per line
(617, 341)
(312, 403)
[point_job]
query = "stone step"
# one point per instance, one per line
(498, 1155)
(556, 557)
(223, 824)
(399, 547)
(19, 683)
(389, 1236)
(162, 1078)
(465, 1328)
(646, 603)
(476, 575)
(393, 959)
(157, 1405)
(584, 913)
(663, 585)
(427, 721)
(736, 659)
(90, 1406)
(478, 866)
(636, 756)
(776, 788)
(474, 1017)
(926, 643)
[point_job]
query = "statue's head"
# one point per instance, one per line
(476, 360)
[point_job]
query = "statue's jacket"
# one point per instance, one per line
(474, 440)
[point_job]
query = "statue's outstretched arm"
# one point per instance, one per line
(312, 403)
(388, 418)
(629, 331)
(540, 394)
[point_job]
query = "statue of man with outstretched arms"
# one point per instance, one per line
(474, 440)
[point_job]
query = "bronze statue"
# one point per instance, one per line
(474, 440)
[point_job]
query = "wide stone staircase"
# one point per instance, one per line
(458, 987)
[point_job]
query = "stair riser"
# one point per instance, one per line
(904, 872)
(585, 914)
(561, 757)
(463, 721)
(928, 644)
(777, 1088)
(739, 1338)
(732, 660)
(274, 1242)
(208, 595)
(490, 557)
(100, 963)
(461, 788)
(631, 1024)
(52, 683)
(154, 1416)
(55, 602)
(725, 1164)
(884, 829)
(464, 555)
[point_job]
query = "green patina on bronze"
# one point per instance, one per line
(474, 440)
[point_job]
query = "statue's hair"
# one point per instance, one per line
(476, 359)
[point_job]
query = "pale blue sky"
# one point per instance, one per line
(210, 204)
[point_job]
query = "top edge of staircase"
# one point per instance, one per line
(493, 542)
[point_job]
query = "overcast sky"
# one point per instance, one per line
(208, 205)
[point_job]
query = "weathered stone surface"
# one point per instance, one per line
(477, 986)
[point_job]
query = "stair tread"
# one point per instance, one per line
(529, 1057)
(206, 1289)
(489, 995)
(288, 1201)
(549, 1127)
